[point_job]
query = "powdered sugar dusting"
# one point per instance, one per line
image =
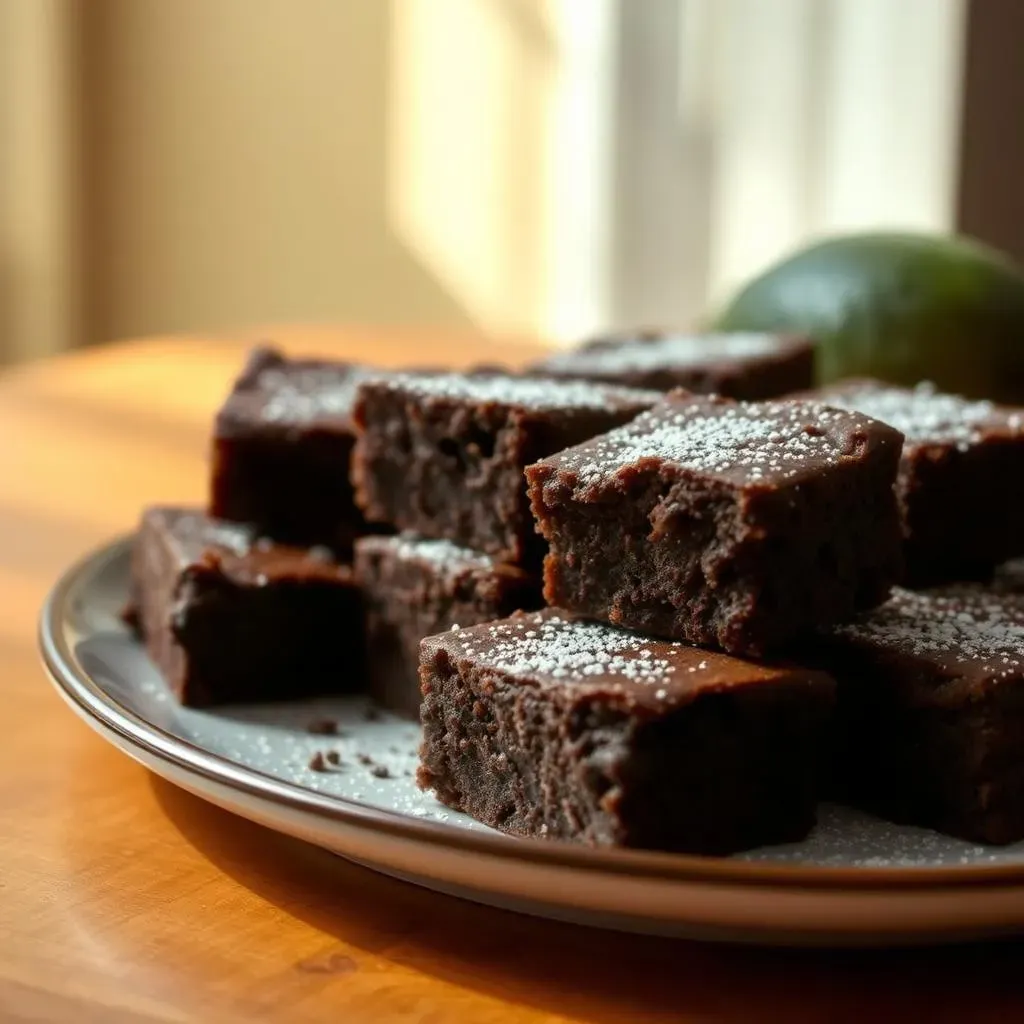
(440, 553)
(667, 351)
(967, 625)
(529, 392)
(924, 414)
(304, 394)
(201, 530)
(767, 440)
(563, 650)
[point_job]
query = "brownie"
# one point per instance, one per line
(443, 454)
(730, 524)
(961, 478)
(540, 725)
(736, 365)
(230, 617)
(1008, 578)
(414, 587)
(930, 716)
(281, 450)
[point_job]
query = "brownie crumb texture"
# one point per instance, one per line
(543, 724)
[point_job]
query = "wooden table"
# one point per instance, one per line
(123, 899)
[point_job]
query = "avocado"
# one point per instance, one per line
(900, 307)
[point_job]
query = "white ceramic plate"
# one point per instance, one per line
(855, 880)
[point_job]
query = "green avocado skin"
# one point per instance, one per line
(899, 307)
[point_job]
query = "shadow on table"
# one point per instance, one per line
(594, 975)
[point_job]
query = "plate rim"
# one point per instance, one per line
(77, 686)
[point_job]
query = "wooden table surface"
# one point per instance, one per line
(123, 899)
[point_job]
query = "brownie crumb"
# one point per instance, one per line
(333, 757)
(371, 714)
(317, 762)
(131, 618)
(366, 760)
(380, 771)
(323, 727)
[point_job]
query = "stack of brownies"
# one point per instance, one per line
(626, 610)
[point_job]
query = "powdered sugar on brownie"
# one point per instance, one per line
(767, 440)
(536, 394)
(967, 625)
(444, 554)
(670, 350)
(924, 414)
(303, 394)
(200, 531)
(561, 649)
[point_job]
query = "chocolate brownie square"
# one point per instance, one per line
(540, 725)
(930, 715)
(281, 450)
(730, 524)
(229, 617)
(414, 587)
(737, 365)
(961, 478)
(443, 455)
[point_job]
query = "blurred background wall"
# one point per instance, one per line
(528, 166)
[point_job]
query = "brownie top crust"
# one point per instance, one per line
(445, 558)
(964, 632)
(742, 443)
(550, 649)
(195, 539)
(923, 414)
(655, 350)
(528, 393)
(275, 391)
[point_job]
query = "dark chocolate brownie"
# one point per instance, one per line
(740, 525)
(544, 726)
(961, 479)
(1008, 578)
(229, 617)
(737, 365)
(281, 450)
(443, 455)
(414, 587)
(930, 716)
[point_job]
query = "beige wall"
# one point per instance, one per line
(237, 168)
(170, 165)
(40, 279)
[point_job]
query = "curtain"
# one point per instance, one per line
(749, 127)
